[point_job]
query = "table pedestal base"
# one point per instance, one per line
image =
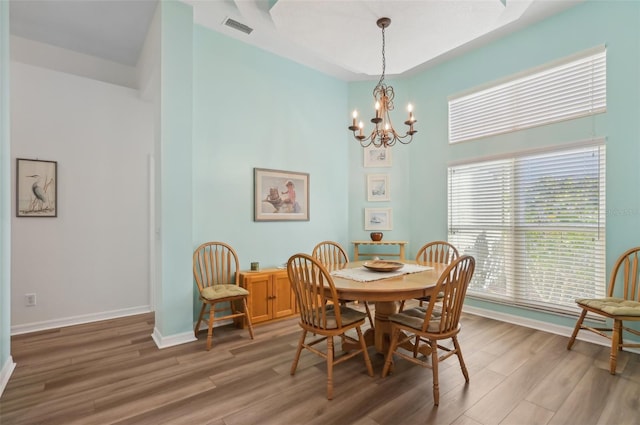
(380, 337)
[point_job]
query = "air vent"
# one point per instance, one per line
(238, 26)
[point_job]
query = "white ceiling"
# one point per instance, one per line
(338, 37)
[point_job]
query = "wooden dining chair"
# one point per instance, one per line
(216, 269)
(434, 252)
(619, 306)
(333, 256)
(432, 324)
(322, 315)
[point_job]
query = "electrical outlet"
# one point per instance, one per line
(30, 300)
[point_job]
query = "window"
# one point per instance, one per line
(577, 87)
(535, 224)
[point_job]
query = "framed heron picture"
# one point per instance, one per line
(36, 188)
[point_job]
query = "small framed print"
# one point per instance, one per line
(378, 188)
(377, 157)
(377, 219)
(36, 188)
(280, 195)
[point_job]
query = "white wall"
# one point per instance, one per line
(92, 261)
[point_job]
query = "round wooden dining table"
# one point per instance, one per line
(386, 294)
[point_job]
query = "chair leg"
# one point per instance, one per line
(416, 346)
(456, 345)
(248, 317)
(401, 306)
(210, 330)
(330, 368)
(294, 365)
(197, 327)
(615, 345)
(434, 368)
(366, 307)
(576, 329)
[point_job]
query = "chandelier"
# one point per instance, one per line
(383, 134)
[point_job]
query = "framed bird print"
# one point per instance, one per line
(36, 188)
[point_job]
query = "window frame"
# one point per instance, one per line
(570, 88)
(508, 269)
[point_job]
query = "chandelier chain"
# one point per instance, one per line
(384, 61)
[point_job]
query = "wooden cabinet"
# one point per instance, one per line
(270, 294)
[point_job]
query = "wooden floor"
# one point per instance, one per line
(112, 373)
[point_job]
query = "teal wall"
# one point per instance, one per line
(5, 193)
(614, 24)
(175, 292)
(254, 109)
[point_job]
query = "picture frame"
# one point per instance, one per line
(36, 188)
(273, 190)
(377, 157)
(378, 188)
(378, 219)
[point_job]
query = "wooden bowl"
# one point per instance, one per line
(376, 236)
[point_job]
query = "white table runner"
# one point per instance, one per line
(363, 274)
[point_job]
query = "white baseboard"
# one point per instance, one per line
(183, 338)
(539, 325)
(171, 340)
(78, 320)
(5, 373)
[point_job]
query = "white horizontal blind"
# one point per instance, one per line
(535, 225)
(573, 89)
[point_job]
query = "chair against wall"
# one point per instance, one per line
(433, 324)
(332, 255)
(216, 271)
(434, 252)
(322, 315)
(618, 306)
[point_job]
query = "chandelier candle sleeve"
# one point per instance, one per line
(383, 133)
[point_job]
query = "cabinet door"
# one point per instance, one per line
(260, 293)
(284, 299)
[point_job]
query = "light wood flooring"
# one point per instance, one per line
(112, 373)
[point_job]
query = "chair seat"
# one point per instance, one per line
(414, 318)
(349, 316)
(217, 292)
(612, 306)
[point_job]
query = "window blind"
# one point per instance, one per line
(535, 224)
(573, 89)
